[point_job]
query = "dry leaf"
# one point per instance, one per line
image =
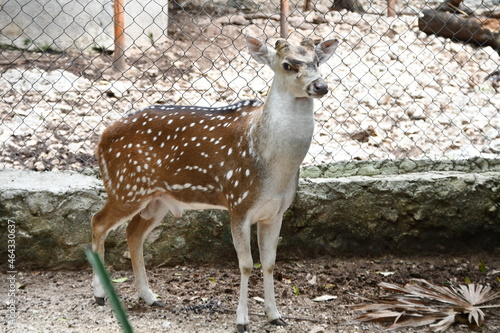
(258, 299)
(421, 303)
(120, 280)
(324, 298)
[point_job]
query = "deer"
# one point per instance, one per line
(243, 158)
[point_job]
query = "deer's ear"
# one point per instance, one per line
(259, 51)
(326, 49)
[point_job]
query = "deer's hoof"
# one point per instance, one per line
(278, 322)
(99, 300)
(158, 304)
(242, 328)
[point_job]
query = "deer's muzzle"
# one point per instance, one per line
(317, 88)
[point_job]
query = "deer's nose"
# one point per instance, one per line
(318, 87)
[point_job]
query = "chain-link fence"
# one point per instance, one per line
(403, 85)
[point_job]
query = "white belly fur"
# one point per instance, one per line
(174, 206)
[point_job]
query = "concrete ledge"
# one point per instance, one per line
(433, 212)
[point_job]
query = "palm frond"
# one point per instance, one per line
(421, 303)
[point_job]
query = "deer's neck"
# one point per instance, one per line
(283, 132)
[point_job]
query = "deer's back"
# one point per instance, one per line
(196, 154)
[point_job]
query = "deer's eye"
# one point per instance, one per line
(290, 68)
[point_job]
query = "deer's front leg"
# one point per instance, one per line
(240, 230)
(268, 235)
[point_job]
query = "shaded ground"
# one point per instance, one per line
(203, 299)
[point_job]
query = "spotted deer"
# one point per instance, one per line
(243, 158)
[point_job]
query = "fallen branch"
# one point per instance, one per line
(467, 29)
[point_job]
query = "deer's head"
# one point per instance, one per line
(296, 66)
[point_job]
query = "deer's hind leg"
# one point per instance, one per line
(107, 219)
(137, 231)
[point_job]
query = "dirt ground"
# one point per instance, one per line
(203, 298)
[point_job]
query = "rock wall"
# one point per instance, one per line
(401, 212)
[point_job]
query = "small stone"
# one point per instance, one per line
(39, 166)
(368, 170)
(495, 145)
(317, 329)
(238, 20)
(408, 165)
(223, 20)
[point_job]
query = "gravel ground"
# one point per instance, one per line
(203, 298)
(396, 92)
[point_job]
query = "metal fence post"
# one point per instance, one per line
(119, 29)
(284, 12)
